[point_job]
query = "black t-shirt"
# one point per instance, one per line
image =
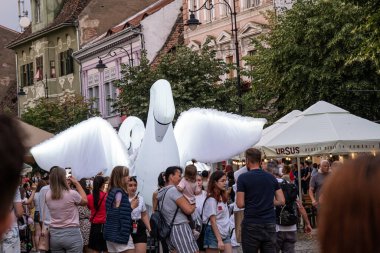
(259, 188)
(305, 171)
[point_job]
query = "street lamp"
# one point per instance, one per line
(101, 66)
(22, 92)
(193, 22)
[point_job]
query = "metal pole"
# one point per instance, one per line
(46, 87)
(131, 56)
(299, 183)
(235, 31)
(299, 178)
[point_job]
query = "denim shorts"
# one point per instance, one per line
(210, 241)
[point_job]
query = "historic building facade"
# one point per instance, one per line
(44, 62)
(215, 29)
(99, 15)
(148, 29)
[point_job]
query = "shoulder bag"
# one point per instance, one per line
(159, 228)
(201, 237)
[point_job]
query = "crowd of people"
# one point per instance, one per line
(90, 215)
(256, 207)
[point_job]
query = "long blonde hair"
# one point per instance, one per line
(117, 175)
(58, 182)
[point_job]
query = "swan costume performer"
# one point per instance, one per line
(203, 134)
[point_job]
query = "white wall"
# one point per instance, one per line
(157, 27)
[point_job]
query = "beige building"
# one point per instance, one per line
(44, 62)
(216, 26)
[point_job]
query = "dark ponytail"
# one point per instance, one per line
(97, 185)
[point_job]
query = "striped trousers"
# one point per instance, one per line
(182, 239)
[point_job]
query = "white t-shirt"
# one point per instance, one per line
(44, 210)
(220, 210)
(11, 237)
(237, 173)
(199, 199)
(36, 201)
(136, 213)
(281, 228)
(234, 242)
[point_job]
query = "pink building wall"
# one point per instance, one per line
(217, 27)
(95, 83)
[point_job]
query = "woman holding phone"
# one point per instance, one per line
(140, 218)
(65, 235)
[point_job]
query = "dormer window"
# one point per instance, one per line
(37, 11)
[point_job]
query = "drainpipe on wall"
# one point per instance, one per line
(17, 89)
(141, 36)
(142, 41)
(80, 63)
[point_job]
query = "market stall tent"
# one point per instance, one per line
(268, 131)
(322, 129)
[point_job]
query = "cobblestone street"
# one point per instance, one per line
(307, 244)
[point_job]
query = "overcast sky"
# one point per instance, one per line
(9, 13)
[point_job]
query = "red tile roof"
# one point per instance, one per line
(135, 21)
(67, 16)
(9, 29)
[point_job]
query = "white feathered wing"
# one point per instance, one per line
(209, 135)
(89, 147)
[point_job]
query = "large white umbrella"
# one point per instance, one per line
(322, 129)
(268, 131)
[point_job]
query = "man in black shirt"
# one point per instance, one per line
(305, 176)
(258, 192)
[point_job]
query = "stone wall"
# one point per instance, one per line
(8, 86)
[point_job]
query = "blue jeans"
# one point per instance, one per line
(210, 241)
(257, 237)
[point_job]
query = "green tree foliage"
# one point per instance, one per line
(369, 49)
(194, 78)
(56, 115)
(306, 58)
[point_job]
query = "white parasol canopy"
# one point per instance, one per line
(268, 131)
(322, 129)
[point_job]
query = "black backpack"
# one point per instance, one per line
(286, 215)
(159, 228)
